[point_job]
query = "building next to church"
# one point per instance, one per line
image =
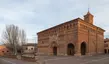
(74, 37)
(106, 45)
(4, 50)
(29, 49)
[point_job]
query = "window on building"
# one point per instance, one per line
(104, 41)
(31, 48)
(26, 48)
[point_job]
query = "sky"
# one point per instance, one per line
(36, 15)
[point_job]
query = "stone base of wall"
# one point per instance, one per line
(77, 54)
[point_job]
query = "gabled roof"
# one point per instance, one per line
(30, 44)
(61, 24)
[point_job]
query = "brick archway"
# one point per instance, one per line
(54, 47)
(83, 48)
(54, 50)
(70, 49)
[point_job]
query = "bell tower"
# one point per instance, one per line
(88, 17)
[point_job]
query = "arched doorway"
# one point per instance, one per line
(54, 50)
(105, 51)
(54, 47)
(70, 49)
(83, 48)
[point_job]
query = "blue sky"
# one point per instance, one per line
(36, 15)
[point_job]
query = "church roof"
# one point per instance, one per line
(60, 24)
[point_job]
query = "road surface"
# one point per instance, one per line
(14, 61)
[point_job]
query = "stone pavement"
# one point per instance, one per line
(96, 59)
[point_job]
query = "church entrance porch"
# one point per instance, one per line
(70, 49)
(83, 48)
(55, 50)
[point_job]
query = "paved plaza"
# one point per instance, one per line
(96, 59)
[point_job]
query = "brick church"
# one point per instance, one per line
(75, 37)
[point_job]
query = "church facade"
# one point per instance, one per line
(74, 37)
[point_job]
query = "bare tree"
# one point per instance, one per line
(12, 39)
(22, 37)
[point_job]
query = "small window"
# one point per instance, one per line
(26, 48)
(31, 48)
(104, 41)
